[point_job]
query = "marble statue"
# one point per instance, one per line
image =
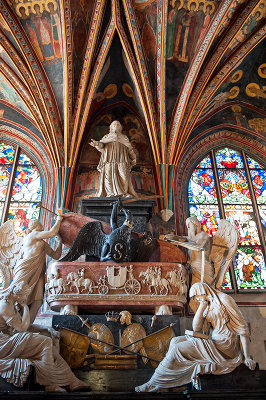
(21, 347)
(117, 159)
(23, 259)
(191, 355)
(209, 257)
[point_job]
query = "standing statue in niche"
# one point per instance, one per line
(22, 347)
(117, 159)
(191, 355)
(23, 259)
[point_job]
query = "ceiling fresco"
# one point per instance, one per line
(183, 68)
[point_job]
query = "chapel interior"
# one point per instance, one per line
(187, 81)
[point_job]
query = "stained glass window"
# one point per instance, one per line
(240, 182)
(18, 170)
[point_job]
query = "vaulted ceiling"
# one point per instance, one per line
(185, 68)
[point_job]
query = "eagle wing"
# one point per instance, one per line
(89, 240)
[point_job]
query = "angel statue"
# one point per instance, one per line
(209, 257)
(198, 353)
(22, 347)
(23, 259)
(117, 159)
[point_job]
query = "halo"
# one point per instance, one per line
(209, 4)
(110, 91)
(193, 1)
(50, 1)
(18, 7)
(233, 95)
(260, 72)
(236, 76)
(181, 4)
(249, 90)
(260, 12)
(127, 89)
(34, 4)
(236, 109)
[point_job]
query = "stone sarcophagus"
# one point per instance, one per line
(101, 286)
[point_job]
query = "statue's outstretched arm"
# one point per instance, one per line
(52, 232)
(55, 254)
(251, 364)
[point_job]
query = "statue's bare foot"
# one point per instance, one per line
(54, 388)
(79, 386)
(147, 387)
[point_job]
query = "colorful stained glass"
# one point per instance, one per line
(208, 215)
(205, 163)
(259, 183)
(201, 187)
(252, 164)
(262, 211)
(27, 184)
(227, 285)
(22, 213)
(234, 186)
(6, 153)
(245, 222)
(4, 179)
(228, 158)
(24, 159)
(250, 268)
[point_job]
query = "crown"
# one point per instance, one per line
(112, 316)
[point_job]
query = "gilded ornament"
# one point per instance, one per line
(157, 344)
(233, 92)
(262, 70)
(101, 332)
(127, 89)
(110, 91)
(73, 347)
(236, 76)
(131, 334)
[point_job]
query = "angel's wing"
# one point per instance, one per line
(89, 240)
(224, 247)
(10, 251)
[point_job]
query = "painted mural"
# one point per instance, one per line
(146, 12)
(187, 23)
(81, 15)
(41, 22)
(8, 94)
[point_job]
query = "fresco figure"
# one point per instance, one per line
(55, 28)
(117, 159)
(189, 356)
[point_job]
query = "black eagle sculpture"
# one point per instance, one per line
(118, 246)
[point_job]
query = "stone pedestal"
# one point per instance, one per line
(100, 208)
